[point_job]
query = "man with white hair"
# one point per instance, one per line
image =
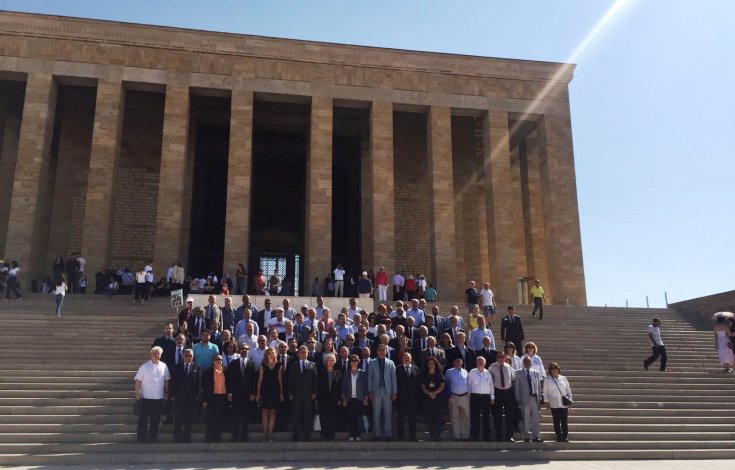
(151, 390)
(364, 286)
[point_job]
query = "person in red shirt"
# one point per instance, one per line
(381, 280)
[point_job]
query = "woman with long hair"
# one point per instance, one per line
(432, 386)
(60, 292)
(270, 392)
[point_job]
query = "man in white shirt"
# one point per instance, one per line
(487, 299)
(657, 345)
(503, 398)
(151, 390)
(278, 322)
(339, 281)
(249, 337)
(480, 385)
(288, 312)
(398, 282)
(257, 354)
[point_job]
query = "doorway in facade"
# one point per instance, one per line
(281, 265)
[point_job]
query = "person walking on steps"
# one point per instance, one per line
(537, 292)
(657, 346)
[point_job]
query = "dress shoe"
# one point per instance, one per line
(538, 440)
(645, 366)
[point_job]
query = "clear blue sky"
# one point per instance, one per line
(652, 109)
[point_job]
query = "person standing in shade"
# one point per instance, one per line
(537, 292)
(12, 282)
(382, 389)
(657, 345)
(302, 388)
(527, 389)
(151, 389)
(339, 281)
(59, 293)
(186, 387)
(432, 385)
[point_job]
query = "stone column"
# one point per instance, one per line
(98, 208)
(561, 212)
(318, 233)
(239, 173)
(533, 200)
(443, 224)
(500, 218)
(29, 206)
(381, 186)
(171, 180)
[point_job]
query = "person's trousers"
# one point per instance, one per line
(328, 419)
(354, 408)
(560, 416)
(530, 429)
(657, 351)
(397, 293)
(240, 286)
(302, 420)
(139, 289)
(240, 418)
(216, 408)
(339, 288)
(479, 412)
(433, 412)
(382, 293)
(59, 300)
(459, 415)
(12, 287)
(406, 412)
(183, 417)
(382, 403)
(538, 304)
(148, 419)
(504, 413)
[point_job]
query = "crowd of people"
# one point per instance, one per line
(353, 372)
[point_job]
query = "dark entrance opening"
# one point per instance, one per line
(280, 144)
(347, 145)
(210, 123)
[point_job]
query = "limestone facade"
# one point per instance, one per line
(466, 165)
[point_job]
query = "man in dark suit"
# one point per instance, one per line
(411, 331)
(487, 352)
(511, 330)
(185, 392)
(407, 378)
(420, 343)
(216, 336)
(362, 341)
(197, 324)
(302, 388)
(168, 344)
(453, 330)
(242, 379)
(265, 315)
(462, 351)
(300, 329)
(432, 351)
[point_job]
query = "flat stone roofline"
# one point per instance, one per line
(201, 41)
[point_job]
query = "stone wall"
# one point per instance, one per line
(412, 231)
(705, 307)
(136, 181)
(11, 110)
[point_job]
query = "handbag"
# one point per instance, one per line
(566, 400)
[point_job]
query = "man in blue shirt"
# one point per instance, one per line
(459, 400)
(479, 333)
(204, 351)
(416, 313)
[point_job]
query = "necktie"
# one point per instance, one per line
(187, 370)
(408, 372)
(178, 355)
(242, 367)
(423, 343)
(511, 319)
(530, 385)
(432, 352)
(302, 366)
(502, 377)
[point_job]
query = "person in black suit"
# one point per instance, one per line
(511, 329)
(408, 380)
(453, 330)
(186, 387)
(197, 324)
(184, 330)
(242, 379)
(463, 352)
(329, 397)
(486, 352)
(302, 388)
(168, 344)
(215, 398)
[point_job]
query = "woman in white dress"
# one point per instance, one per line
(723, 344)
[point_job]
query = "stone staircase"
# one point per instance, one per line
(66, 392)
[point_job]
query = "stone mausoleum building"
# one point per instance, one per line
(131, 142)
